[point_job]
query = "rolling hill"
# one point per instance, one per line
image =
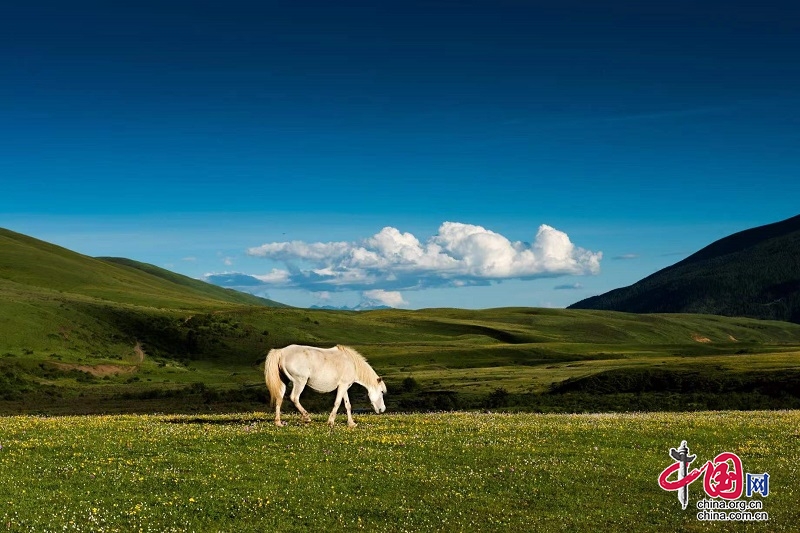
(59, 305)
(81, 334)
(754, 273)
(31, 265)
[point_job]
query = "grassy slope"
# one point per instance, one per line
(64, 316)
(41, 268)
(53, 300)
(469, 352)
(197, 286)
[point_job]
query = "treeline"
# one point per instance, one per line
(625, 390)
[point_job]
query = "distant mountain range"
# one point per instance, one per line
(754, 273)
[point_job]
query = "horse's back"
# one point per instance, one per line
(324, 368)
(310, 356)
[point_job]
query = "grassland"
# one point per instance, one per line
(416, 472)
(87, 335)
(32, 269)
(102, 357)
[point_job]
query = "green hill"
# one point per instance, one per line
(56, 304)
(79, 334)
(31, 265)
(753, 273)
(214, 292)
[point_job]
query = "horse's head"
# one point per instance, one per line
(376, 393)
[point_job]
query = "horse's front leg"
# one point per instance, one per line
(350, 422)
(340, 394)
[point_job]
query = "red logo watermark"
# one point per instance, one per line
(723, 478)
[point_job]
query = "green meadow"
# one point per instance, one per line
(83, 335)
(132, 399)
(396, 472)
(98, 357)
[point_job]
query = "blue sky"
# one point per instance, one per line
(230, 140)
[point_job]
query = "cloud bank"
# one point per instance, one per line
(389, 261)
(380, 297)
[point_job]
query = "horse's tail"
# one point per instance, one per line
(272, 375)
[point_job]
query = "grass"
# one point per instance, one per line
(80, 334)
(468, 353)
(398, 472)
(33, 268)
(84, 335)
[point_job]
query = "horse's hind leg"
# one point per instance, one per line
(278, 403)
(297, 389)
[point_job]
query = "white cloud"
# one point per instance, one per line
(458, 255)
(379, 297)
(317, 251)
(189, 259)
(228, 261)
(276, 276)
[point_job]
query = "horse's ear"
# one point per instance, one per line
(380, 379)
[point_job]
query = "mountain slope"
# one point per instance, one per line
(31, 265)
(212, 291)
(754, 273)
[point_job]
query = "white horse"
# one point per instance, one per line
(322, 369)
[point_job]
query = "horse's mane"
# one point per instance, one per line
(364, 372)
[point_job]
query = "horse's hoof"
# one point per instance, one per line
(279, 423)
(352, 425)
